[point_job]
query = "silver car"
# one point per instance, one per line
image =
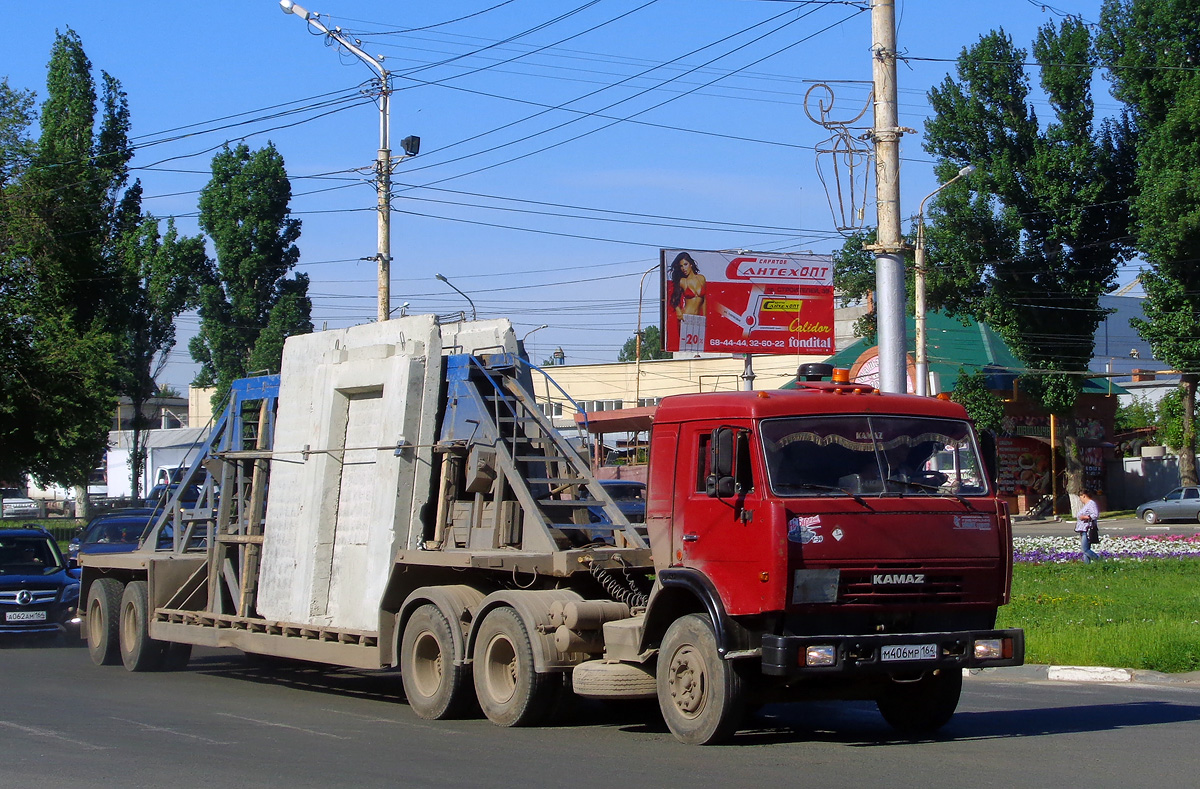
(1179, 504)
(16, 504)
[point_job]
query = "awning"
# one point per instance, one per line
(620, 420)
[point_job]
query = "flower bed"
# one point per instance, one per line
(1134, 548)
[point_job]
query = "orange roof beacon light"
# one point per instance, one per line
(841, 376)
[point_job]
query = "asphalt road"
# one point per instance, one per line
(1117, 526)
(65, 722)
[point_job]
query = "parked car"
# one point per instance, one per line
(1179, 504)
(630, 496)
(17, 505)
(39, 592)
(116, 531)
(162, 493)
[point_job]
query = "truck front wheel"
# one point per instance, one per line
(436, 682)
(924, 706)
(701, 694)
(510, 691)
(139, 652)
(103, 619)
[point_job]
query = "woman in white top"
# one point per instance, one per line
(1088, 514)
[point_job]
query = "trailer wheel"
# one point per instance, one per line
(701, 695)
(139, 652)
(510, 691)
(436, 682)
(103, 621)
(924, 706)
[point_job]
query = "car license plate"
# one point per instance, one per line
(25, 616)
(908, 652)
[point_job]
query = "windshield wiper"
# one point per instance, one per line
(932, 489)
(831, 488)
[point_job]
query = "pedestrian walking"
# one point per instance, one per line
(1086, 523)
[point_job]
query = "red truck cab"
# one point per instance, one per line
(839, 534)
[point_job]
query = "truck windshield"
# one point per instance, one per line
(877, 454)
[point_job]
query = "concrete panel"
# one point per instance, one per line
(342, 499)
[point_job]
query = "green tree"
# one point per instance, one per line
(651, 346)
(1169, 418)
(160, 274)
(1152, 49)
(248, 302)
(1035, 240)
(62, 212)
(983, 406)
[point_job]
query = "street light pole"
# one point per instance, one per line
(889, 246)
(919, 287)
(637, 342)
(474, 314)
(383, 161)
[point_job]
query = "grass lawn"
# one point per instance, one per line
(1139, 614)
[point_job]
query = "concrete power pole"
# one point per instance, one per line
(889, 247)
(383, 160)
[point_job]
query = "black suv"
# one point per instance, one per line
(39, 593)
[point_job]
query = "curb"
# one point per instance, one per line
(1034, 673)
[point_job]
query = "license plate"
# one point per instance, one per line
(25, 616)
(908, 652)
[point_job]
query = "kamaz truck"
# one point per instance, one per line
(395, 497)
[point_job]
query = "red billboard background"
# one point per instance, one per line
(746, 302)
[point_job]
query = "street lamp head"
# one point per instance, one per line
(291, 8)
(964, 172)
(439, 276)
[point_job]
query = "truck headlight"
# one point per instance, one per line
(820, 656)
(989, 648)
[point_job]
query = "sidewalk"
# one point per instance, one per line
(1035, 673)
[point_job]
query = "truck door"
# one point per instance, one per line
(725, 533)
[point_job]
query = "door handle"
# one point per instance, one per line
(691, 537)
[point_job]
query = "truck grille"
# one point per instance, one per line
(858, 586)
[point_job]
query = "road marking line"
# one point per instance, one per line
(149, 727)
(282, 726)
(410, 724)
(37, 731)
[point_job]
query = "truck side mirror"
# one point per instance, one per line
(720, 482)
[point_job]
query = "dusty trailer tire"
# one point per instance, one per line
(139, 652)
(103, 622)
(509, 690)
(922, 707)
(701, 695)
(436, 683)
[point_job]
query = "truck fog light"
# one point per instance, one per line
(989, 648)
(820, 656)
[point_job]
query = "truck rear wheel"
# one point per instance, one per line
(924, 706)
(510, 691)
(103, 622)
(436, 682)
(701, 694)
(139, 652)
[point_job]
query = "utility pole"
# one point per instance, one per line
(383, 161)
(889, 247)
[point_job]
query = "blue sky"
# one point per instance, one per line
(563, 143)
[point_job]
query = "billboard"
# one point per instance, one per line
(746, 302)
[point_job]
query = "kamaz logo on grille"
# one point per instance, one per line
(883, 579)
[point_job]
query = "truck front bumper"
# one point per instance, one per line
(890, 653)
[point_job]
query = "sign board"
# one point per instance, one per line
(747, 302)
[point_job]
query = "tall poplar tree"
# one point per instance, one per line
(249, 302)
(1152, 49)
(1037, 238)
(63, 212)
